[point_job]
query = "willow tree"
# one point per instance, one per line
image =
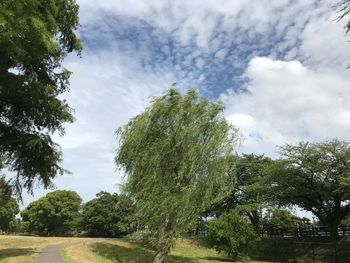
(176, 157)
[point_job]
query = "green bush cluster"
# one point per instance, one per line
(231, 234)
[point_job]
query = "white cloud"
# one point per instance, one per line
(287, 102)
(299, 27)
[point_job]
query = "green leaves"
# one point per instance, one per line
(35, 37)
(8, 205)
(54, 214)
(176, 156)
(108, 215)
(231, 234)
(314, 176)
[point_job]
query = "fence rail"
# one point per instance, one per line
(312, 231)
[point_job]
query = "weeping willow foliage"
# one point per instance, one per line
(176, 155)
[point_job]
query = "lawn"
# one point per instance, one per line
(23, 249)
(129, 251)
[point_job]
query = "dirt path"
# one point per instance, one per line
(51, 254)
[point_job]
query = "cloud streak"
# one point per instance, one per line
(277, 65)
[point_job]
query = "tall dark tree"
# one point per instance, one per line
(108, 215)
(8, 205)
(176, 155)
(35, 36)
(5, 189)
(245, 196)
(316, 177)
(54, 214)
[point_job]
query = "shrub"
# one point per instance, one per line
(232, 235)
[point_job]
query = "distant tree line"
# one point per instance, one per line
(61, 213)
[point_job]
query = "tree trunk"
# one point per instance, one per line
(335, 221)
(333, 229)
(254, 218)
(163, 247)
(160, 256)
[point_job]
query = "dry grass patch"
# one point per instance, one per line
(20, 249)
(129, 251)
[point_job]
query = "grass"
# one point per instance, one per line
(19, 249)
(289, 250)
(129, 251)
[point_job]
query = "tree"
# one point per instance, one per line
(245, 196)
(35, 36)
(5, 189)
(108, 215)
(53, 214)
(281, 221)
(315, 177)
(232, 235)
(345, 12)
(8, 212)
(8, 206)
(176, 155)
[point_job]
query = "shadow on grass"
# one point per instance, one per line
(15, 252)
(134, 254)
(285, 250)
(216, 259)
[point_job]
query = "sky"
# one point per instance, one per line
(279, 67)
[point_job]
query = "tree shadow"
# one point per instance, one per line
(134, 254)
(15, 252)
(283, 250)
(216, 259)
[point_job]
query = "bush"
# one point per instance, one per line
(232, 235)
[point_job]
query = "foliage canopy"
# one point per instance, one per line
(282, 220)
(231, 234)
(35, 36)
(108, 215)
(316, 177)
(176, 156)
(8, 205)
(246, 197)
(54, 214)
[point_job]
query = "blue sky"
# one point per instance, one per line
(279, 67)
